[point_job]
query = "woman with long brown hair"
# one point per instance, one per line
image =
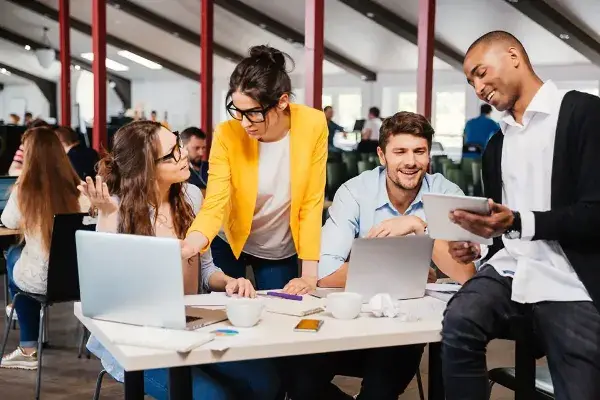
(47, 186)
(140, 189)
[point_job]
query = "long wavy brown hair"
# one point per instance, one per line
(129, 171)
(47, 184)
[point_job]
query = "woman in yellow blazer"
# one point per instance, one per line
(264, 200)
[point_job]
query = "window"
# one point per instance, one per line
(407, 101)
(84, 96)
(349, 110)
(449, 118)
(327, 100)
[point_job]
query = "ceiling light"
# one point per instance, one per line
(77, 67)
(27, 47)
(363, 77)
(139, 59)
(290, 40)
(370, 15)
(564, 36)
(4, 71)
(262, 25)
(112, 84)
(110, 64)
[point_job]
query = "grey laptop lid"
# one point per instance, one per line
(394, 265)
(131, 279)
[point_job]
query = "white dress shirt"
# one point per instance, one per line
(540, 268)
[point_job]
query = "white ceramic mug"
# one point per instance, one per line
(344, 305)
(244, 312)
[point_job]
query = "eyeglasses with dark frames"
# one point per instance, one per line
(255, 115)
(175, 153)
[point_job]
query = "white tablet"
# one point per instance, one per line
(438, 207)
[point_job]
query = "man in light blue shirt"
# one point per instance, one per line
(386, 201)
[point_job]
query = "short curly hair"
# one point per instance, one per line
(405, 122)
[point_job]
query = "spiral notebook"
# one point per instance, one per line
(309, 305)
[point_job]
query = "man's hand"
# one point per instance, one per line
(398, 226)
(488, 226)
(464, 252)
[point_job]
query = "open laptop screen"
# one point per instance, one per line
(6, 184)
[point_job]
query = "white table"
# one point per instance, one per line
(272, 337)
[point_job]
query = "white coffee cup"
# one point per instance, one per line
(244, 312)
(344, 305)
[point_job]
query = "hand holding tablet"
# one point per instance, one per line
(438, 209)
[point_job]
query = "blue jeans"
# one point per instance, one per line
(268, 274)
(28, 310)
(256, 379)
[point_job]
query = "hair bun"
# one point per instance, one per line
(268, 55)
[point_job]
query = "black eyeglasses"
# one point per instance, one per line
(254, 115)
(175, 153)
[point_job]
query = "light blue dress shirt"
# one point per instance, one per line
(363, 202)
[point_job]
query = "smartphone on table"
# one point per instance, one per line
(309, 325)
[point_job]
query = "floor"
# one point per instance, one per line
(67, 378)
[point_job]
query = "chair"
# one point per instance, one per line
(506, 377)
(336, 176)
(99, 384)
(365, 166)
(63, 277)
(351, 160)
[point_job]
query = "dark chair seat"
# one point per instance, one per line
(543, 382)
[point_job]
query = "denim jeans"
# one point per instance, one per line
(268, 274)
(27, 310)
(568, 333)
(386, 373)
(252, 380)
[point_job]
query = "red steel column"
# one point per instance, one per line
(99, 69)
(426, 40)
(314, 21)
(206, 73)
(64, 27)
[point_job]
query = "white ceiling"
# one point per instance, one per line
(488, 15)
(346, 31)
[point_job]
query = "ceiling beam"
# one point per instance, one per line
(122, 85)
(403, 28)
(86, 29)
(277, 28)
(47, 87)
(557, 24)
(171, 27)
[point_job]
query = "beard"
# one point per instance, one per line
(411, 184)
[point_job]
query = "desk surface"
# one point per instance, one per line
(9, 232)
(273, 337)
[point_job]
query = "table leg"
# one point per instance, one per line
(180, 383)
(134, 385)
(436, 382)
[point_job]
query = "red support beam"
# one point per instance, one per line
(206, 73)
(99, 70)
(426, 42)
(314, 18)
(64, 27)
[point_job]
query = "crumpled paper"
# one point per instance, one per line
(382, 305)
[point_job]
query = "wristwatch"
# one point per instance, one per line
(514, 231)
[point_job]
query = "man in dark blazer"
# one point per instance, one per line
(541, 173)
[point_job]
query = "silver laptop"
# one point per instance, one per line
(136, 280)
(394, 265)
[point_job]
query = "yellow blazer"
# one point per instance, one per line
(233, 182)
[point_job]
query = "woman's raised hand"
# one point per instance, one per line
(98, 194)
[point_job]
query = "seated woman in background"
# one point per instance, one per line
(145, 193)
(47, 186)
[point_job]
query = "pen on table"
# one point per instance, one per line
(282, 295)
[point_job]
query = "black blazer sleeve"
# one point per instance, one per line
(574, 218)
(491, 176)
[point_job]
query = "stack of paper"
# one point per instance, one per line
(309, 305)
(442, 291)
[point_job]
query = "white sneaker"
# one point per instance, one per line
(19, 360)
(9, 309)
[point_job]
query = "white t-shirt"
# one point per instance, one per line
(270, 236)
(374, 125)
